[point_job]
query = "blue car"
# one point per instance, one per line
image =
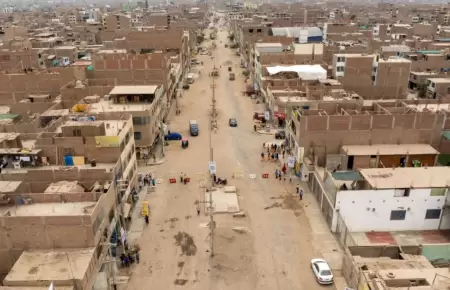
(173, 136)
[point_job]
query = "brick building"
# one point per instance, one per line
(324, 130)
(371, 76)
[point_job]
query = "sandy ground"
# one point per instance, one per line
(276, 250)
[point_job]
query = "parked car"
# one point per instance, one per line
(186, 86)
(173, 136)
(232, 122)
(322, 271)
(280, 135)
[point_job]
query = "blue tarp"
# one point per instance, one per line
(68, 160)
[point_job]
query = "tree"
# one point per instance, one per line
(200, 39)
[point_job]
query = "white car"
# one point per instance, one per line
(322, 271)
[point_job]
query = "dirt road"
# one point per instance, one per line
(276, 249)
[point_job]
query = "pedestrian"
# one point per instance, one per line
(301, 194)
(284, 168)
(181, 177)
(126, 261)
(122, 259)
(154, 157)
(254, 127)
(146, 219)
(264, 145)
(130, 258)
(262, 156)
(214, 178)
(138, 258)
(198, 208)
(276, 173)
(153, 182)
(185, 178)
(297, 189)
(283, 153)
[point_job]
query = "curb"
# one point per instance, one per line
(265, 133)
(159, 162)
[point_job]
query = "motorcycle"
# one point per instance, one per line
(221, 181)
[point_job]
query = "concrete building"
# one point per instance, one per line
(319, 132)
(69, 188)
(371, 76)
(147, 106)
(381, 199)
(391, 266)
(113, 22)
(70, 268)
(437, 88)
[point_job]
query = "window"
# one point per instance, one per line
(374, 69)
(340, 69)
(259, 30)
(398, 215)
(374, 78)
(77, 132)
(438, 191)
(402, 192)
(433, 214)
(250, 30)
(340, 59)
(137, 135)
(433, 85)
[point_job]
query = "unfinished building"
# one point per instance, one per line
(390, 267)
(322, 131)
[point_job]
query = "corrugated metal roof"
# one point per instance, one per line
(347, 175)
(133, 90)
(314, 31)
(446, 135)
(429, 51)
(296, 31)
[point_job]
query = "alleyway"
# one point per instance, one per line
(276, 251)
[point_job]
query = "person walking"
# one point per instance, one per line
(181, 177)
(146, 219)
(154, 157)
(301, 194)
(297, 189)
(126, 261)
(262, 156)
(185, 178)
(254, 128)
(198, 208)
(138, 258)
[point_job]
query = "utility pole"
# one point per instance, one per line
(212, 126)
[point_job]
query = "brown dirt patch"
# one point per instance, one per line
(186, 244)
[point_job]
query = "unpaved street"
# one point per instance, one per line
(276, 249)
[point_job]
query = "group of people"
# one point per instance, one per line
(183, 178)
(279, 173)
(145, 180)
(128, 259)
(273, 151)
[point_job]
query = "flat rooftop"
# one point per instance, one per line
(34, 288)
(58, 266)
(112, 127)
(389, 149)
(407, 177)
(133, 90)
(110, 106)
(439, 80)
(49, 209)
(9, 186)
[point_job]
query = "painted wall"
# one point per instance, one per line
(370, 210)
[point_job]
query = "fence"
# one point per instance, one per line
(440, 282)
(317, 189)
(342, 233)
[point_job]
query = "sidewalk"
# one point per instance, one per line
(323, 240)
